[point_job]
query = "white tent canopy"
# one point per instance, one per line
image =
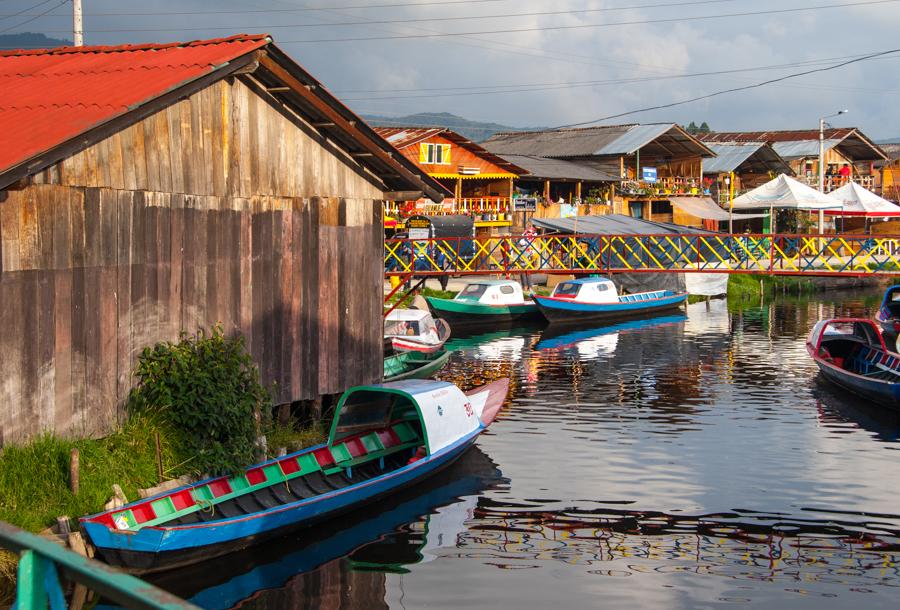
(785, 193)
(858, 201)
(704, 207)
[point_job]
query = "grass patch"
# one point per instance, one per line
(34, 478)
(295, 437)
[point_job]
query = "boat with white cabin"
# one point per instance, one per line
(596, 298)
(415, 330)
(486, 301)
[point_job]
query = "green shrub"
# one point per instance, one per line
(207, 387)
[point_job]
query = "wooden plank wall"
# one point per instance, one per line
(216, 209)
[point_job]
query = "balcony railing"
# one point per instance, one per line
(835, 182)
(683, 186)
(465, 205)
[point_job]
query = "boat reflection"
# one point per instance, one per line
(837, 408)
(400, 530)
(597, 340)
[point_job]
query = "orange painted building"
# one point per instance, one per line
(478, 182)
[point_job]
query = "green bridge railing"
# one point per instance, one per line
(41, 561)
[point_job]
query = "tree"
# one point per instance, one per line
(691, 128)
(704, 128)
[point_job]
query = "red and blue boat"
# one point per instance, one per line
(851, 353)
(596, 298)
(383, 438)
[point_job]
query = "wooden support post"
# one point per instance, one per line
(74, 471)
(546, 192)
(284, 414)
(159, 460)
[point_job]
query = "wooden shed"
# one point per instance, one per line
(149, 190)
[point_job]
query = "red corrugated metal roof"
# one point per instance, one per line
(49, 96)
(401, 137)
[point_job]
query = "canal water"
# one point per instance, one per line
(690, 461)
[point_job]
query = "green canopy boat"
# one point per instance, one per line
(414, 365)
(483, 301)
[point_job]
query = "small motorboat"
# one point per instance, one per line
(596, 298)
(414, 365)
(888, 316)
(851, 353)
(415, 330)
(383, 438)
(481, 301)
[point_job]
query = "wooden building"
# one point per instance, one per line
(800, 148)
(650, 161)
(887, 178)
(149, 190)
(477, 182)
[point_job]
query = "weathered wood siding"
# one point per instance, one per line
(220, 208)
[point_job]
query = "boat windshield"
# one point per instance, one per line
(472, 292)
(401, 328)
(567, 289)
(367, 410)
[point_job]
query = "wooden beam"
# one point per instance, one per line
(332, 114)
(402, 195)
(277, 89)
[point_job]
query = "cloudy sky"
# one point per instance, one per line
(548, 62)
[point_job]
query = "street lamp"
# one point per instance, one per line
(822, 162)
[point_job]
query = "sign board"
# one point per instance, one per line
(648, 174)
(525, 204)
(419, 233)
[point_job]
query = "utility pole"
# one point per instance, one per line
(77, 27)
(822, 163)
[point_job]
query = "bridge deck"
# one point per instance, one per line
(821, 255)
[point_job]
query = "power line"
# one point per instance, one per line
(594, 25)
(732, 90)
(24, 11)
(296, 10)
(38, 16)
(442, 19)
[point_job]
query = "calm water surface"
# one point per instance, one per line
(690, 461)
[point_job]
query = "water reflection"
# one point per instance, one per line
(308, 565)
(693, 460)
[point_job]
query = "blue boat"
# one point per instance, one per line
(383, 438)
(229, 581)
(596, 298)
(850, 352)
(560, 337)
(888, 316)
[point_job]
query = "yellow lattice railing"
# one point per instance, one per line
(777, 254)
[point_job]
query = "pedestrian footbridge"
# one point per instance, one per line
(811, 255)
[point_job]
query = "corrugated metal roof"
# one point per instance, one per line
(555, 143)
(559, 169)
(634, 139)
(729, 157)
(792, 135)
(802, 148)
(850, 141)
(52, 95)
(606, 140)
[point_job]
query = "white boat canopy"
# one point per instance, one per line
(858, 201)
(785, 192)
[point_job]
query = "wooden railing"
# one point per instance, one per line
(40, 562)
(832, 183)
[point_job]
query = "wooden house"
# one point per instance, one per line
(651, 162)
(477, 182)
(887, 177)
(800, 148)
(154, 189)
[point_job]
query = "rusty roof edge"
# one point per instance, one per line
(134, 113)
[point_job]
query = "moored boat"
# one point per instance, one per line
(415, 330)
(850, 352)
(383, 438)
(482, 301)
(888, 316)
(414, 365)
(596, 298)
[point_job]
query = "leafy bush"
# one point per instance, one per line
(207, 387)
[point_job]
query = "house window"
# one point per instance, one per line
(434, 154)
